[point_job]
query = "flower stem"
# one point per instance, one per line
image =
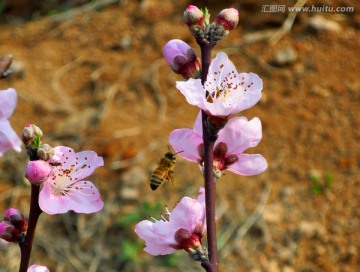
(26, 245)
(210, 186)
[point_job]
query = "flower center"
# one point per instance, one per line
(225, 88)
(63, 184)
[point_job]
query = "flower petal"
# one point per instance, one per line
(83, 197)
(88, 161)
(158, 236)
(187, 214)
(235, 135)
(50, 203)
(187, 141)
(82, 164)
(253, 86)
(249, 165)
(198, 124)
(8, 100)
(8, 138)
(156, 249)
(219, 68)
(86, 198)
(193, 91)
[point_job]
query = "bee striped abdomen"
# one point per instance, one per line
(157, 178)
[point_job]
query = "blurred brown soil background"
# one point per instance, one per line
(97, 80)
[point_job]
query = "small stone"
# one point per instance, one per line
(311, 229)
(129, 194)
(319, 23)
(273, 213)
(285, 57)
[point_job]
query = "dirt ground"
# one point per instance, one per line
(97, 80)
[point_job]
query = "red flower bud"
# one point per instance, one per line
(16, 218)
(8, 232)
(228, 18)
(193, 16)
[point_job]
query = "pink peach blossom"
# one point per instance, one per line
(8, 137)
(238, 135)
(225, 92)
(65, 188)
(182, 229)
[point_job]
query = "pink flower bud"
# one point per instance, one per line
(16, 218)
(193, 16)
(31, 136)
(228, 18)
(187, 240)
(182, 59)
(45, 152)
(37, 171)
(8, 232)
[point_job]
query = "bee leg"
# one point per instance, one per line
(171, 177)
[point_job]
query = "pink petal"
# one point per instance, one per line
(219, 68)
(82, 163)
(8, 100)
(235, 135)
(156, 250)
(8, 138)
(187, 141)
(201, 197)
(249, 165)
(253, 93)
(193, 91)
(158, 236)
(50, 203)
(198, 124)
(67, 156)
(88, 161)
(187, 214)
(218, 108)
(84, 200)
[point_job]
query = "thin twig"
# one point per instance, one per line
(286, 26)
(156, 88)
(238, 232)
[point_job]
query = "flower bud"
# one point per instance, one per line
(187, 240)
(182, 236)
(8, 232)
(228, 18)
(16, 218)
(37, 171)
(31, 136)
(45, 152)
(193, 16)
(220, 150)
(182, 59)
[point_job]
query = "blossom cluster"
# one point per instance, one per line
(223, 94)
(59, 173)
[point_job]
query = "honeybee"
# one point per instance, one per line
(164, 171)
